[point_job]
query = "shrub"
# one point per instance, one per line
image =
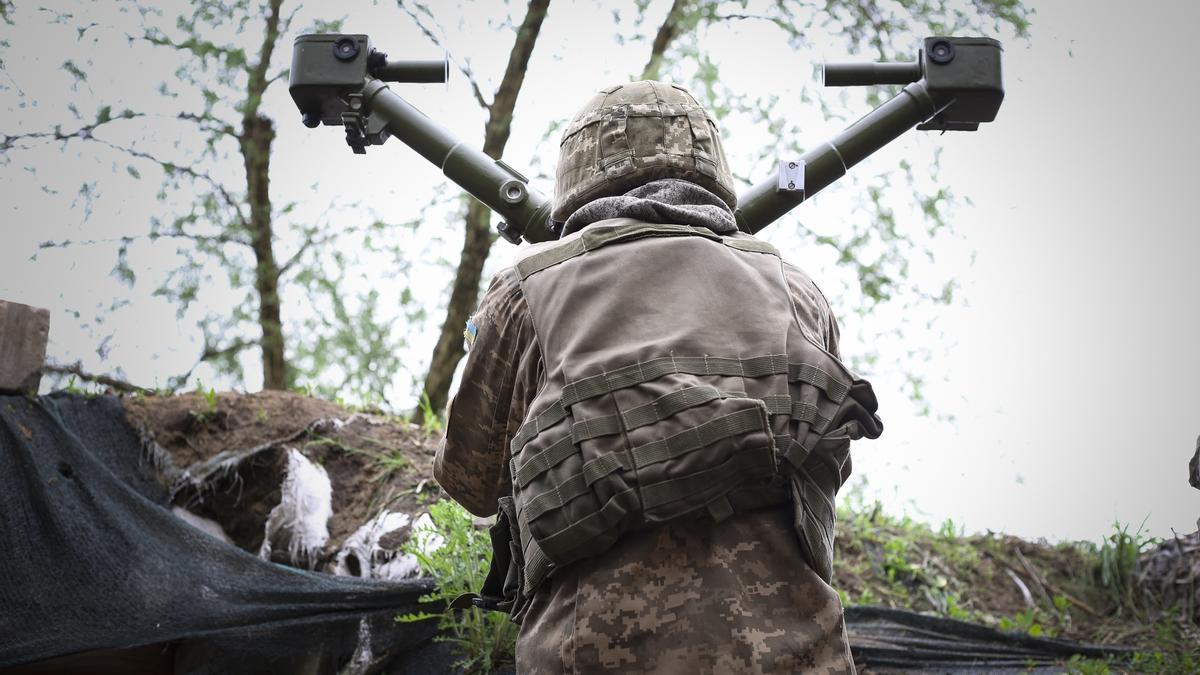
(457, 556)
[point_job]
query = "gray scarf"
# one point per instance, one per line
(668, 200)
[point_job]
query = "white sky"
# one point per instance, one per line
(1069, 369)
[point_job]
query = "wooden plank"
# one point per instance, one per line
(24, 331)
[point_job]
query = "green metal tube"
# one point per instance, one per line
(862, 74)
(503, 190)
(412, 71)
(763, 203)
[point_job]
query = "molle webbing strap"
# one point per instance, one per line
(804, 372)
(545, 460)
(595, 427)
(690, 440)
(797, 451)
(644, 371)
(628, 376)
(745, 466)
(537, 566)
(670, 404)
(778, 404)
(748, 465)
(577, 485)
(807, 412)
(545, 419)
(725, 426)
(657, 410)
(591, 527)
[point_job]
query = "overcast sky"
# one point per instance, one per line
(1064, 381)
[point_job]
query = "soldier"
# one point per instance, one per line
(654, 408)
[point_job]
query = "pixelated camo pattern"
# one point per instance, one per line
(727, 598)
(631, 134)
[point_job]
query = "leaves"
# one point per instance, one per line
(457, 554)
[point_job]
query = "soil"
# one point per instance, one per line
(374, 461)
(995, 579)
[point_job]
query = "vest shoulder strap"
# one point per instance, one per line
(619, 230)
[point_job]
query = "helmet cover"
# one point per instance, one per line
(630, 134)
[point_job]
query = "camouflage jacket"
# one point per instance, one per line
(664, 600)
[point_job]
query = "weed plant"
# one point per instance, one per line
(457, 555)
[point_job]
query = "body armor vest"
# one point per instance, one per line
(678, 383)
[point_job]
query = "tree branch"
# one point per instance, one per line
(258, 74)
(202, 238)
(464, 67)
(9, 141)
(499, 124)
(76, 369)
(193, 45)
(212, 351)
(197, 174)
(209, 123)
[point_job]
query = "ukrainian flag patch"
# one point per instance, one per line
(469, 333)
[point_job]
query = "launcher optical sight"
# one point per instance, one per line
(338, 80)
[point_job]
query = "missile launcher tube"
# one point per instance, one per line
(763, 203)
(495, 184)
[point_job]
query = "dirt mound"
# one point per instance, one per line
(1036, 588)
(225, 455)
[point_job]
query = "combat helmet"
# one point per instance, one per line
(630, 134)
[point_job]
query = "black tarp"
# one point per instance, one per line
(902, 641)
(93, 558)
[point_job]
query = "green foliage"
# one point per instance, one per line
(1118, 562)
(1079, 665)
(431, 422)
(1030, 621)
(209, 398)
(73, 388)
(387, 460)
(457, 555)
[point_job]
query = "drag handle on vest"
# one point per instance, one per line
(954, 85)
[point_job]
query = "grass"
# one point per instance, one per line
(457, 554)
(431, 423)
(1118, 561)
(209, 397)
(388, 461)
(1078, 590)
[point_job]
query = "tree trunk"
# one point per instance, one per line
(478, 241)
(257, 134)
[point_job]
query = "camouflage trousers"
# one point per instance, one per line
(731, 597)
